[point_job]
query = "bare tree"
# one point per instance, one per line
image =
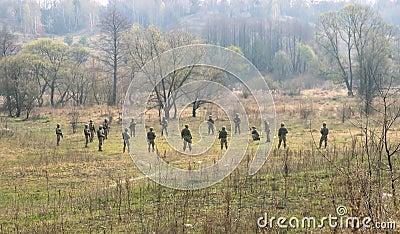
(144, 45)
(113, 26)
(356, 40)
(78, 75)
(8, 45)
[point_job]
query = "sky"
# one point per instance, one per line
(103, 2)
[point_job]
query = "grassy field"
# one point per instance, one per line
(73, 189)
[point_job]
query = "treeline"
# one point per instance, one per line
(31, 17)
(60, 17)
(281, 46)
(353, 45)
(47, 72)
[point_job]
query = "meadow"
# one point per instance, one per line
(73, 189)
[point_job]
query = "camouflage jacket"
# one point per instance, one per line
(151, 136)
(223, 134)
(92, 127)
(100, 134)
(282, 131)
(324, 131)
(132, 125)
(237, 120)
(58, 131)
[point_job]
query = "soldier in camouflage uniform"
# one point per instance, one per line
(151, 136)
(282, 135)
(186, 135)
(237, 121)
(92, 129)
(324, 135)
(126, 137)
(106, 128)
(164, 126)
(132, 127)
(223, 136)
(267, 130)
(210, 123)
(100, 136)
(59, 134)
(86, 132)
(254, 134)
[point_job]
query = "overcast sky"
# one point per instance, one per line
(103, 2)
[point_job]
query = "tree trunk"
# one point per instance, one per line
(114, 94)
(194, 111)
(52, 89)
(166, 112)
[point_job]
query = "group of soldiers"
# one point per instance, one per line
(102, 133)
(186, 136)
(283, 131)
(89, 132)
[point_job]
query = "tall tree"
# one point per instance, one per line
(17, 85)
(113, 25)
(145, 44)
(357, 40)
(8, 45)
(52, 57)
(78, 75)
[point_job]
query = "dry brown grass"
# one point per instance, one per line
(71, 189)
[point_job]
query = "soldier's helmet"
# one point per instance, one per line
(105, 120)
(254, 127)
(186, 125)
(86, 125)
(237, 114)
(282, 124)
(58, 125)
(91, 120)
(323, 124)
(100, 126)
(151, 128)
(223, 127)
(126, 130)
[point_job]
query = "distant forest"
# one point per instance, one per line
(81, 51)
(61, 17)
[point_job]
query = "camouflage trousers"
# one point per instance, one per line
(58, 139)
(224, 141)
(268, 132)
(187, 143)
(164, 131)
(127, 145)
(91, 135)
(324, 138)
(101, 143)
(282, 138)
(87, 140)
(211, 129)
(237, 128)
(150, 143)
